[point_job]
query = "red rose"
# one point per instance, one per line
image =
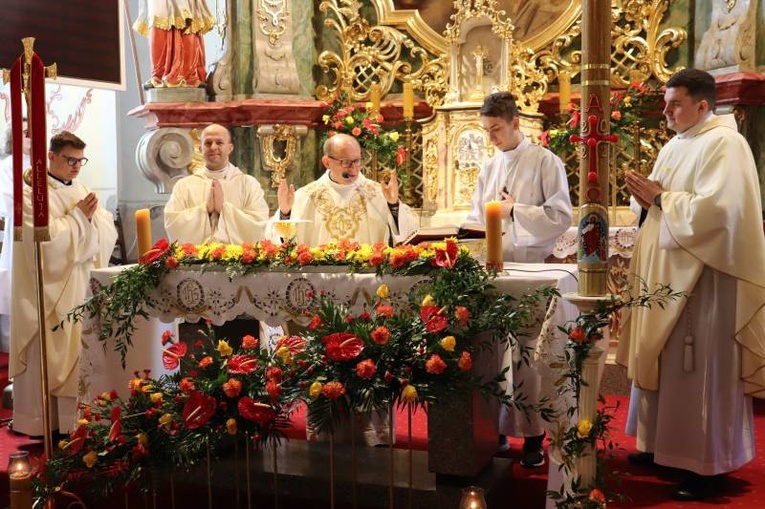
(342, 346)
(166, 337)
(249, 342)
(465, 362)
(577, 335)
(273, 389)
(384, 310)
(171, 262)
(400, 156)
(333, 390)
(232, 388)
(315, 323)
(198, 410)
(462, 315)
(274, 373)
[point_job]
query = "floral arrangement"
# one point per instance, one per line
(409, 353)
(628, 108)
(593, 436)
(364, 124)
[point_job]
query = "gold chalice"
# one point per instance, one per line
(287, 228)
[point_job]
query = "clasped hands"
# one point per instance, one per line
(215, 198)
(88, 205)
(642, 189)
(507, 204)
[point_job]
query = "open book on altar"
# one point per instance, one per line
(468, 231)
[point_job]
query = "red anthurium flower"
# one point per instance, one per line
(166, 337)
(77, 439)
(342, 346)
(447, 257)
(273, 389)
(256, 411)
(242, 364)
(198, 410)
(400, 156)
(116, 428)
(295, 344)
(172, 355)
(156, 252)
(434, 320)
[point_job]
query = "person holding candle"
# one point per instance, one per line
(219, 203)
(530, 184)
(344, 205)
(6, 211)
(696, 363)
(82, 237)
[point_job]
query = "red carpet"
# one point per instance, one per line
(642, 487)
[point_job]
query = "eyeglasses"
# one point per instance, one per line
(347, 163)
(73, 161)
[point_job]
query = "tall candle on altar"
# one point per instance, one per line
(493, 215)
(143, 230)
(374, 97)
(564, 91)
(408, 101)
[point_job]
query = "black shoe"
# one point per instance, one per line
(502, 444)
(697, 487)
(641, 459)
(533, 453)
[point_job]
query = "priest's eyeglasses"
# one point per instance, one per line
(73, 161)
(347, 163)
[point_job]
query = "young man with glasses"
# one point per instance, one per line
(343, 204)
(531, 183)
(82, 238)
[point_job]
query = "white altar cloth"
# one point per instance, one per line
(275, 297)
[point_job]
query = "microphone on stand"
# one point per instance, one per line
(346, 175)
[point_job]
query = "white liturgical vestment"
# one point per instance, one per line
(242, 218)
(536, 179)
(77, 246)
(357, 212)
(693, 361)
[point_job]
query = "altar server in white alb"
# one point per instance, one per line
(219, 203)
(697, 362)
(343, 204)
(82, 238)
(531, 183)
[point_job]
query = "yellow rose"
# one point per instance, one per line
(231, 426)
(156, 398)
(143, 439)
(62, 444)
(448, 343)
(382, 291)
(285, 354)
(166, 420)
(368, 105)
(349, 120)
(147, 388)
(81, 422)
(393, 135)
(90, 459)
(428, 301)
(325, 119)
(628, 101)
(409, 394)
(583, 428)
(315, 390)
(224, 349)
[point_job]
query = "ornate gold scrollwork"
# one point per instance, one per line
(271, 15)
(271, 137)
(375, 54)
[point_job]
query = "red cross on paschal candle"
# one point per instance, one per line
(591, 140)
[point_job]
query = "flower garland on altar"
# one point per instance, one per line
(412, 353)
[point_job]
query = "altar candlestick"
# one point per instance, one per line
(143, 230)
(408, 101)
(564, 91)
(493, 214)
(374, 97)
